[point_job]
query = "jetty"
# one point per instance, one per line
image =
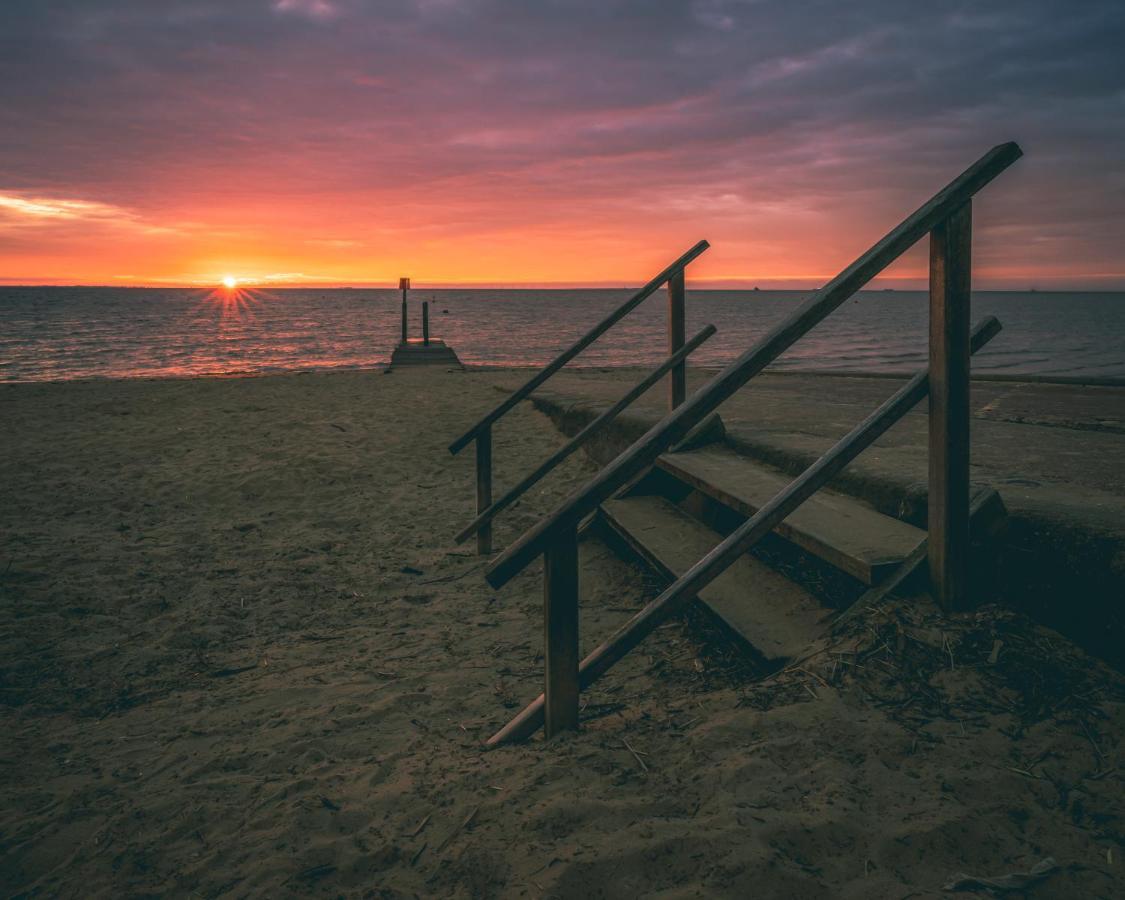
(424, 351)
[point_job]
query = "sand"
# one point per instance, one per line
(240, 655)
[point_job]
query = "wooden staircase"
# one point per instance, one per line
(690, 501)
(698, 516)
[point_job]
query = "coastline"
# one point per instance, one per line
(241, 653)
(574, 368)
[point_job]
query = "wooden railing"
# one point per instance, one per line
(481, 432)
(946, 217)
(671, 364)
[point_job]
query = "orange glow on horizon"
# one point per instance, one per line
(342, 144)
(458, 239)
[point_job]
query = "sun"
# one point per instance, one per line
(230, 282)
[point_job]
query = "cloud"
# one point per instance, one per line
(18, 210)
(313, 9)
(744, 119)
(40, 208)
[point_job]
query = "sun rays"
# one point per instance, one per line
(233, 301)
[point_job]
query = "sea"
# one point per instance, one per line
(77, 333)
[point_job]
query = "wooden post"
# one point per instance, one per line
(404, 286)
(677, 379)
(578, 346)
(484, 486)
(425, 323)
(560, 638)
(950, 286)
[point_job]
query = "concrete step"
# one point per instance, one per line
(775, 617)
(415, 353)
(840, 530)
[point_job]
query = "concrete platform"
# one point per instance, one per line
(416, 352)
(1055, 453)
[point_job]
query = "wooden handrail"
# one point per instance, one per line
(676, 425)
(584, 435)
(739, 541)
(578, 346)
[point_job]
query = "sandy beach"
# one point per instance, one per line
(241, 655)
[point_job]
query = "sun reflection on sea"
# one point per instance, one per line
(233, 301)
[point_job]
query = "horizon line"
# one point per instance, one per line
(700, 285)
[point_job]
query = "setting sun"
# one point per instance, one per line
(229, 282)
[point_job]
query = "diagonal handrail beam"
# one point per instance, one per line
(578, 346)
(739, 541)
(584, 435)
(676, 425)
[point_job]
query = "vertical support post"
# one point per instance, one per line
(560, 638)
(677, 378)
(425, 323)
(484, 487)
(404, 286)
(950, 288)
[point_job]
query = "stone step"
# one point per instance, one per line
(775, 617)
(841, 530)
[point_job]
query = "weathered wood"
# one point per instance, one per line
(484, 487)
(950, 285)
(677, 379)
(425, 323)
(739, 541)
(673, 427)
(584, 435)
(404, 286)
(773, 617)
(984, 511)
(560, 638)
(844, 532)
(578, 346)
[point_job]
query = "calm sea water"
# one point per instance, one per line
(58, 334)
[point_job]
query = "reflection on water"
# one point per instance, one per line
(68, 333)
(235, 303)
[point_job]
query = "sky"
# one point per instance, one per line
(546, 142)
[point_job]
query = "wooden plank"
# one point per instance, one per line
(774, 616)
(673, 427)
(677, 379)
(842, 531)
(578, 346)
(950, 285)
(484, 487)
(560, 639)
(487, 515)
(986, 510)
(672, 600)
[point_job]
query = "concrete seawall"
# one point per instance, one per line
(1055, 452)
